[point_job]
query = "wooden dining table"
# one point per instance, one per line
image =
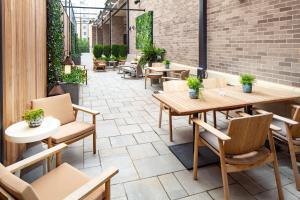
(217, 99)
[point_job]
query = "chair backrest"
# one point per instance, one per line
(184, 74)
(295, 130)
(59, 107)
(157, 64)
(211, 83)
(15, 187)
(247, 134)
(130, 57)
(175, 86)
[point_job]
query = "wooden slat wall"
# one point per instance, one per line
(24, 61)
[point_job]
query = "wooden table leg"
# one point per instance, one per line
(49, 158)
(195, 115)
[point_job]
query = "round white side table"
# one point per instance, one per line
(21, 133)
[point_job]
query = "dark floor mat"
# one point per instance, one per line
(185, 154)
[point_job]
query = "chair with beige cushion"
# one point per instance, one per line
(63, 182)
(290, 134)
(183, 75)
(241, 147)
(70, 130)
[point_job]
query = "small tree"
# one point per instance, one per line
(122, 51)
(107, 51)
(115, 48)
(98, 51)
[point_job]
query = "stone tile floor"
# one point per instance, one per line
(128, 138)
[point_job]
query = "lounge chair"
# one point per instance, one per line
(128, 62)
(241, 147)
(290, 134)
(63, 182)
(99, 65)
(70, 130)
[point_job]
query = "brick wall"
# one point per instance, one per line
(257, 36)
(118, 29)
(100, 36)
(93, 38)
(175, 28)
(261, 37)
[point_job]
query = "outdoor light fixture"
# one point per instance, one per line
(137, 1)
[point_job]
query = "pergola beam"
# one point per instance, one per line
(103, 8)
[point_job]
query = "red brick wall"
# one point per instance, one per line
(257, 36)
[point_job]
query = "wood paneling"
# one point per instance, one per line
(24, 26)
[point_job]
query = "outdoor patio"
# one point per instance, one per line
(128, 138)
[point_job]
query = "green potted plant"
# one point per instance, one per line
(194, 84)
(167, 64)
(71, 83)
(34, 118)
(98, 51)
(247, 81)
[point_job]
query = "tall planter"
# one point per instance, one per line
(73, 89)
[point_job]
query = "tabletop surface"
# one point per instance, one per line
(222, 98)
(21, 133)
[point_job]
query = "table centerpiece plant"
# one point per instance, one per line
(167, 64)
(247, 81)
(34, 118)
(194, 84)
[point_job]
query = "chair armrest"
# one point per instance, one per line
(280, 118)
(211, 129)
(36, 158)
(295, 106)
(93, 184)
(242, 114)
(170, 78)
(87, 110)
(275, 128)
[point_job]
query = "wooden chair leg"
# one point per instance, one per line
(160, 115)
(94, 142)
(227, 114)
(170, 126)
(196, 145)
(215, 118)
(204, 117)
(107, 190)
(190, 119)
(58, 159)
(275, 166)
(49, 158)
(224, 171)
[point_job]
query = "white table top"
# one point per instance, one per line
(21, 133)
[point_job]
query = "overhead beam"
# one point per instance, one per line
(103, 8)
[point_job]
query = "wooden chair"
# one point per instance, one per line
(182, 76)
(99, 65)
(290, 134)
(172, 86)
(211, 83)
(70, 130)
(63, 182)
(241, 148)
(153, 75)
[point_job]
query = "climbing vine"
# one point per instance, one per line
(55, 40)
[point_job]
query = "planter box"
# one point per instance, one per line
(77, 61)
(73, 89)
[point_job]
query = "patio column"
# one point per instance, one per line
(202, 35)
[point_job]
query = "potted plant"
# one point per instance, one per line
(247, 81)
(194, 84)
(167, 64)
(71, 83)
(34, 118)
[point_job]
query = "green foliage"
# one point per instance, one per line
(83, 45)
(166, 62)
(122, 51)
(113, 58)
(55, 41)
(107, 50)
(144, 30)
(194, 83)
(151, 54)
(32, 115)
(247, 79)
(76, 76)
(75, 54)
(98, 51)
(115, 50)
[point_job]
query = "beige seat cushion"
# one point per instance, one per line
(61, 182)
(59, 107)
(282, 134)
(72, 130)
(247, 158)
(154, 74)
(15, 186)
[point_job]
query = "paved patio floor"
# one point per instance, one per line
(128, 138)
